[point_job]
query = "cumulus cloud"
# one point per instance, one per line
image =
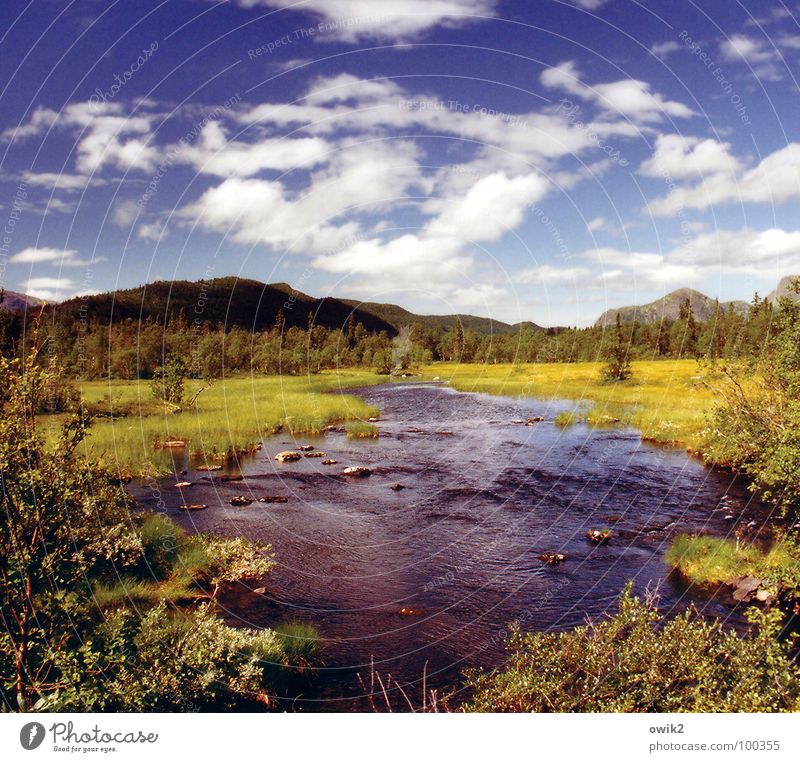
(491, 207)
(768, 253)
(631, 98)
(215, 154)
(760, 55)
(439, 255)
(50, 289)
(60, 257)
(663, 49)
(774, 180)
(63, 181)
(393, 20)
(107, 135)
(550, 275)
(681, 156)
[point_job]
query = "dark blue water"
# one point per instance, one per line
(483, 498)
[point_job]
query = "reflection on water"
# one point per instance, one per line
(459, 546)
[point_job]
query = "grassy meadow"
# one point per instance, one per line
(232, 415)
(667, 400)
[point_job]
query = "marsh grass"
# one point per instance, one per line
(713, 560)
(362, 430)
(666, 400)
(567, 418)
(231, 416)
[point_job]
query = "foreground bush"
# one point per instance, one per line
(100, 606)
(641, 661)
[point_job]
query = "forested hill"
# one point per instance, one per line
(252, 305)
(668, 308)
(222, 302)
(398, 317)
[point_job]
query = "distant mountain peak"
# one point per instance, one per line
(668, 308)
(783, 290)
(14, 300)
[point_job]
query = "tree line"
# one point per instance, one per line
(128, 349)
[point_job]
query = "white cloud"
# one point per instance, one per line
(107, 136)
(631, 98)
(744, 251)
(152, 231)
(61, 257)
(491, 207)
(681, 156)
(548, 275)
(50, 289)
(365, 177)
(399, 20)
(214, 154)
(759, 54)
(740, 47)
(589, 5)
(60, 181)
(663, 49)
(768, 253)
(125, 213)
(774, 180)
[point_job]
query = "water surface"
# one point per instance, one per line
(459, 546)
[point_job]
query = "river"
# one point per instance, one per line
(459, 546)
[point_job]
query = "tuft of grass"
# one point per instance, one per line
(567, 418)
(300, 640)
(362, 430)
(713, 560)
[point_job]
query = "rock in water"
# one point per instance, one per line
(181, 485)
(599, 536)
(305, 448)
(553, 559)
(195, 507)
(240, 500)
(359, 471)
(287, 456)
(398, 487)
(329, 462)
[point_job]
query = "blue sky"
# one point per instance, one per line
(538, 160)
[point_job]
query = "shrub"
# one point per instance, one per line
(640, 661)
(168, 381)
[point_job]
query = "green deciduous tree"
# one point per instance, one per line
(756, 427)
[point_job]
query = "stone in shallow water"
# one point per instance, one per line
(360, 471)
(287, 456)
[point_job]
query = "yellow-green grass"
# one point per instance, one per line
(230, 416)
(712, 560)
(361, 430)
(666, 400)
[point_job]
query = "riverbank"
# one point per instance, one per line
(666, 400)
(231, 416)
